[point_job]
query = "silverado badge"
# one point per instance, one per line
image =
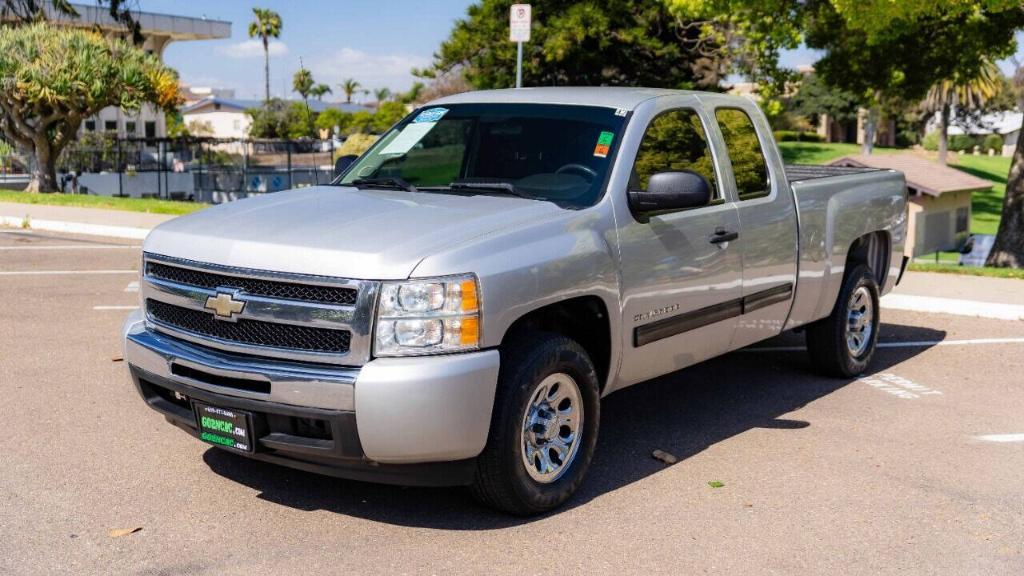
(224, 306)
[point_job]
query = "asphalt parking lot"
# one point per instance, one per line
(916, 468)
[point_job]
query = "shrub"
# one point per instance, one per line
(958, 142)
(795, 136)
(355, 144)
(993, 142)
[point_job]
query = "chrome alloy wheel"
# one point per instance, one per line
(551, 428)
(860, 321)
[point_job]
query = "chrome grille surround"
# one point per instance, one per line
(355, 319)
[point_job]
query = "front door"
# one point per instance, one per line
(681, 275)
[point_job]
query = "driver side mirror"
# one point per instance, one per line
(668, 191)
(343, 162)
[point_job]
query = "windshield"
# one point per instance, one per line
(545, 152)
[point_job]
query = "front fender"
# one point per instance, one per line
(533, 266)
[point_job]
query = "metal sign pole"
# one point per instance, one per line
(519, 65)
(519, 32)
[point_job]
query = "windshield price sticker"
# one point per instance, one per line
(431, 115)
(604, 143)
(414, 131)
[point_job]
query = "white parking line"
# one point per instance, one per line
(909, 344)
(1001, 437)
(62, 272)
(115, 307)
(132, 286)
(72, 247)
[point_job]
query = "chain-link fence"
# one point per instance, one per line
(202, 169)
(14, 167)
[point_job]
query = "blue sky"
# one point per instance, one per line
(375, 42)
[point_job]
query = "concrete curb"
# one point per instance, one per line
(955, 306)
(77, 228)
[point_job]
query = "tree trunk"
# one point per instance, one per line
(943, 134)
(44, 173)
(266, 69)
(1008, 250)
(870, 127)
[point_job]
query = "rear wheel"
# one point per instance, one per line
(843, 344)
(543, 428)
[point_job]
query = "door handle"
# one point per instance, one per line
(722, 235)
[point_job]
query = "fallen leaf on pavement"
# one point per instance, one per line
(118, 532)
(664, 457)
(715, 484)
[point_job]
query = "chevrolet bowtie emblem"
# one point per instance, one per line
(224, 305)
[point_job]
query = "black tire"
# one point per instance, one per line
(827, 338)
(502, 480)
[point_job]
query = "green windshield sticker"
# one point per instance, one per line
(604, 144)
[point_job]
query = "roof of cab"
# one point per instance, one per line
(610, 97)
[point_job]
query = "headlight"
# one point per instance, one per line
(430, 316)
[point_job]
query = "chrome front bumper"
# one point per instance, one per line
(406, 410)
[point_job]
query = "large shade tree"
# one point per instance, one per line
(875, 17)
(266, 24)
(53, 78)
(580, 42)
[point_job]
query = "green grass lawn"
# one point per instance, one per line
(152, 206)
(822, 152)
(968, 270)
(986, 207)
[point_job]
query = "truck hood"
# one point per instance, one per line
(340, 231)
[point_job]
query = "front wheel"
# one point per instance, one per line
(842, 344)
(543, 428)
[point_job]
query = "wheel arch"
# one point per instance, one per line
(583, 318)
(873, 250)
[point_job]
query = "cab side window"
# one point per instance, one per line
(749, 166)
(674, 141)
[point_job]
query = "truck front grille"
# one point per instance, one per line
(250, 332)
(255, 286)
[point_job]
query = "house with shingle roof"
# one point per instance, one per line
(939, 204)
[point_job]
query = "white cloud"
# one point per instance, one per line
(253, 49)
(371, 70)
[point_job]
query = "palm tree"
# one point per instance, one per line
(319, 91)
(961, 93)
(265, 25)
(382, 94)
(303, 83)
(349, 87)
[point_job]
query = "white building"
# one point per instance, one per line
(226, 117)
(1006, 124)
(158, 30)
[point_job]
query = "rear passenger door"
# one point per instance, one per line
(768, 221)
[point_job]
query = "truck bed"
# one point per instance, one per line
(798, 172)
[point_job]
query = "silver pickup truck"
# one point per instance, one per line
(451, 310)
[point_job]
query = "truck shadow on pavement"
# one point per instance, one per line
(683, 413)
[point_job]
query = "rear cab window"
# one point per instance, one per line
(749, 165)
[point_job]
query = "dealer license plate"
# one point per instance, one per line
(225, 427)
